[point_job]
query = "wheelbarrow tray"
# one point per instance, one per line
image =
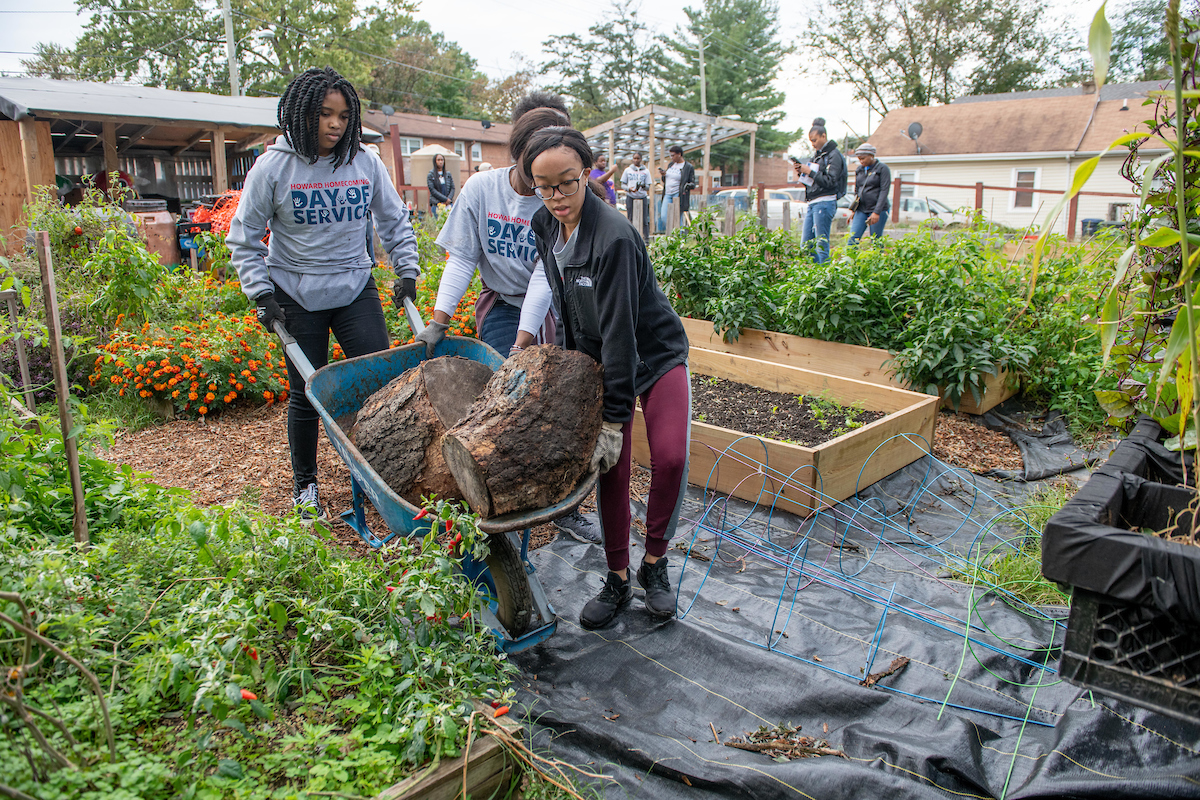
(341, 388)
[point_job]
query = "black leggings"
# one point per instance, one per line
(360, 328)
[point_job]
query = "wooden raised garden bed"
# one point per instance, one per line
(838, 461)
(485, 770)
(834, 358)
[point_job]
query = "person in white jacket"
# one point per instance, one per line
(636, 180)
(317, 189)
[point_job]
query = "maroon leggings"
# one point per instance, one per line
(667, 409)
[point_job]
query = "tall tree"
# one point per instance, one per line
(425, 74)
(180, 44)
(742, 55)
(495, 98)
(609, 72)
(921, 52)
(1139, 47)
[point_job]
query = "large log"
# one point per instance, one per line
(528, 437)
(400, 428)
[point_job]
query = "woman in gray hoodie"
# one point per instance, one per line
(318, 189)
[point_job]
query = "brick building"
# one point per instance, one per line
(469, 138)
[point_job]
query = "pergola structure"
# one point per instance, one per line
(653, 129)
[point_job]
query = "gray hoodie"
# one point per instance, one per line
(318, 221)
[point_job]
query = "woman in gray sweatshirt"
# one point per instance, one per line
(318, 189)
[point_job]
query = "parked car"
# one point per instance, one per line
(928, 209)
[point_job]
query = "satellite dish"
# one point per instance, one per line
(387, 110)
(914, 131)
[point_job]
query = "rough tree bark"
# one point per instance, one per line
(400, 428)
(528, 437)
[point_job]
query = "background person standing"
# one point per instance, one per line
(825, 179)
(602, 174)
(872, 180)
(636, 180)
(440, 184)
(679, 178)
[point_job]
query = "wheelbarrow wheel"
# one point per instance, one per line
(513, 595)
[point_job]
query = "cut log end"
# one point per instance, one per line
(470, 478)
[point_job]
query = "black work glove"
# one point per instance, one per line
(404, 287)
(269, 311)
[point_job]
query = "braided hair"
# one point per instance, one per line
(300, 114)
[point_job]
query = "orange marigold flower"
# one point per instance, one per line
(175, 393)
(203, 410)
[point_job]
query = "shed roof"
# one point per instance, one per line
(145, 117)
(49, 99)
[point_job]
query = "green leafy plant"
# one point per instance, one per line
(75, 232)
(133, 277)
(1148, 321)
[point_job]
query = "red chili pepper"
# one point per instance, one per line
(248, 695)
(78, 230)
(253, 654)
(422, 514)
(449, 525)
(495, 704)
(391, 588)
(500, 712)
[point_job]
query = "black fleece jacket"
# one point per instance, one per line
(611, 305)
(873, 187)
(831, 178)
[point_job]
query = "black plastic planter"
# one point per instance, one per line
(1134, 630)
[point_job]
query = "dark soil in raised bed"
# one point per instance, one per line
(807, 420)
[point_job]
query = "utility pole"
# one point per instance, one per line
(703, 86)
(235, 87)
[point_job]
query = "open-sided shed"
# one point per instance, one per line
(172, 144)
(653, 129)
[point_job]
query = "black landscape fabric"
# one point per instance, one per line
(645, 704)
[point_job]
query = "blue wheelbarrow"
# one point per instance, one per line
(517, 609)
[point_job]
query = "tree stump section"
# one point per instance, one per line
(400, 428)
(528, 437)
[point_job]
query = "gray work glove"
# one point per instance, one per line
(434, 332)
(608, 447)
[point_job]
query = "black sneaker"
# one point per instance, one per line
(660, 601)
(580, 528)
(604, 607)
(307, 504)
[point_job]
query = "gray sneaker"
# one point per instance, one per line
(307, 503)
(580, 528)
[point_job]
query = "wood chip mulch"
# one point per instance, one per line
(961, 440)
(242, 454)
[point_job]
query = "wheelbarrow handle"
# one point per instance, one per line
(414, 317)
(294, 353)
(301, 362)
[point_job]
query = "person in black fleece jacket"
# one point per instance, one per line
(613, 310)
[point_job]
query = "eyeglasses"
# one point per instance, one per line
(566, 188)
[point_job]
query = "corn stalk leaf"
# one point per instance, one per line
(1110, 320)
(1100, 46)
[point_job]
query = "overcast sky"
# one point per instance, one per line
(493, 30)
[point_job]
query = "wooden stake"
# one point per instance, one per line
(61, 386)
(10, 299)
